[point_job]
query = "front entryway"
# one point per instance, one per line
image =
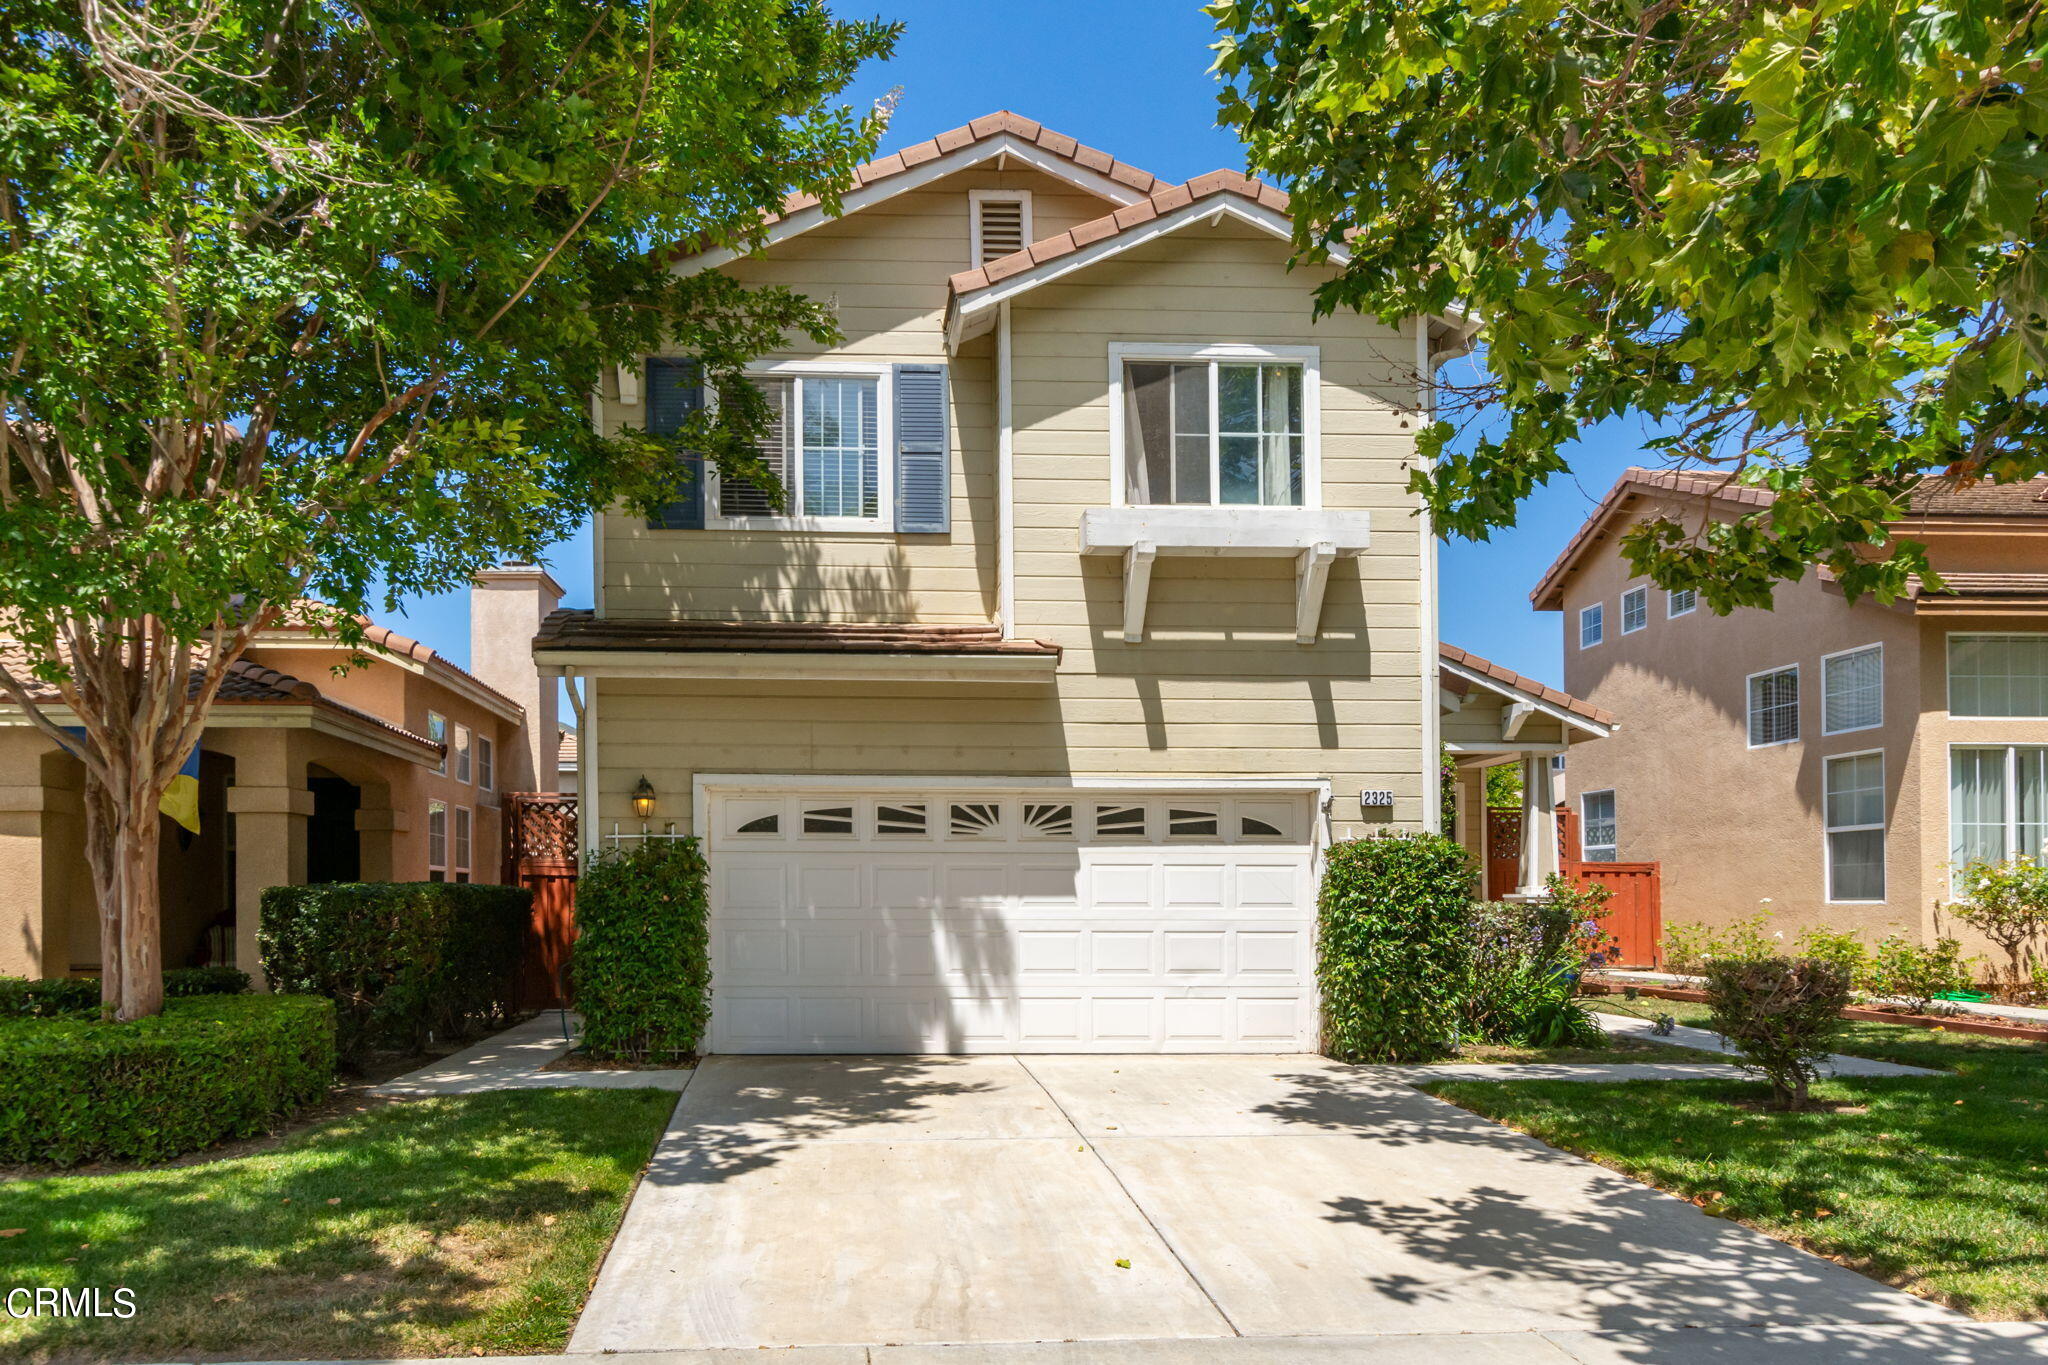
(1034, 920)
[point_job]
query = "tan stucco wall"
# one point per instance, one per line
(1218, 688)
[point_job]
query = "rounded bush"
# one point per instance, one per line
(1782, 1014)
(205, 1070)
(642, 963)
(1392, 946)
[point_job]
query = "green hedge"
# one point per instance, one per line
(1391, 950)
(43, 999)
(403, 962)
(642, 965)
(203, 1071)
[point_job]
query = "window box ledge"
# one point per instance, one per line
(1312, 536)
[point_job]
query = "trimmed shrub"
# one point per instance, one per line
(1839, 946)
(1690, 948)
(1916, 974)
(1782, 1014)
(1392, 950)
(203, 1071)
(642, 963)
(26, 997)
(403, 962)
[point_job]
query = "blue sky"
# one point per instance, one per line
(1131, 77)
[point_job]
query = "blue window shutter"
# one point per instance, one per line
(675, 389)
(924, 458)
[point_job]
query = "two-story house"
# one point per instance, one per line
(1834, 759)
(1099, 606)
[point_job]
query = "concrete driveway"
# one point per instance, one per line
(873, 1200)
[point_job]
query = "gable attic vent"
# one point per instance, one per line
(1002, 223)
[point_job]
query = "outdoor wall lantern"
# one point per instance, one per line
(643, 799)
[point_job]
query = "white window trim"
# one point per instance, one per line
(975, 199)
(1948, 667)
(446, 741)
(457, 863)
(1639, 590)
(1827, 854)
(1586, 611)
(884, 519)
(1749, 707)
(486, 773)
(1877, 724)
(1585, 849)
(462, 744)
(1669, 614)
(1308, 357)
(2011, 811)
(447, 836)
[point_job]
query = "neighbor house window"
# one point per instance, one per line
(1998, 675)
(824, 441)
(1598, 831)
(1774, 707)
(486, 764)
(1635, 610)
(437, 731)
(1680, 602)
(437, 841)
(1852, 690)
(1592, 625)
(1852, 805)
(463, 769)
(464, 828)
(1210, 432)
(1997, 802)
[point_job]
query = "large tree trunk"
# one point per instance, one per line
(122, 835)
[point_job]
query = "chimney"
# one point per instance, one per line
(506, 606)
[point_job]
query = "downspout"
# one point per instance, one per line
(1006, 477)
(574, 686)
(1431, 628)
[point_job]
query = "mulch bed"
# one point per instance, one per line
(1952, 1023)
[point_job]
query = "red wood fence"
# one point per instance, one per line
(540, 854)
(1635, 912)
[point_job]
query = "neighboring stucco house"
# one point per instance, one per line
(1100, 608)
(1832, 758)
(391, 771)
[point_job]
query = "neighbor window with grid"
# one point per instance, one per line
(1852, 802)
(437, 731)
(1592, 625)
(1852, 690)
(1998, 675)
(437, 841)
(824, 443)
(1997, 803)
(462, 753)
(486, 763)
(1214, 432)
(1635, 610)
(464, 831)
(1774, 707)
(1598, 830)
(1680, 602)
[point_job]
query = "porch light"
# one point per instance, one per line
(643, 799)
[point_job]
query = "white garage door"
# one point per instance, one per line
(1037, 921)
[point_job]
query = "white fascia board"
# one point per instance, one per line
(1230, 530)
(1007, 782)
(918, 176)
(1500, 689)
(741, 666)
(969, 315)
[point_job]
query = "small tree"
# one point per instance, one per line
(301, 296)
(1782, 1014)
(1917, 974)
(2008, 904)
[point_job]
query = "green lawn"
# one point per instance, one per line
(432, 1227)
(1939, 1186)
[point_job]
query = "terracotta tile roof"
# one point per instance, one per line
(566, 750)
(1941, 497)
(1160, 203)
(247, 684)
(1990, 592)
(579, 628)
(982, 129)
(1517, 682)
(384, 640)
(1548, 594)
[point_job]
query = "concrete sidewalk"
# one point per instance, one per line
(1706, 1040)
(513, 1060)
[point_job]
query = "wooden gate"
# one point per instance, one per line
(1635, 912)
(540, 855)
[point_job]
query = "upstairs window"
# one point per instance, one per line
(1998, 675)
(1635, 610)
(1774, 707)
(999, 223)
(462, 754)
(825, 443)
(1852, 690)
(1852, 801)
(1680, 602)
(1216, 431)
(437, 731)
(1592, 625)
(486, 763)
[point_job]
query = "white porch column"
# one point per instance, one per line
(1539, 826)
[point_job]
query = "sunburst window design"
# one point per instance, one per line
(1252, 827)
(1125, 821)
(1191, 822)
(901, 820)
(976, 819)
(1046, 820)
(762, 824)
(828, 819)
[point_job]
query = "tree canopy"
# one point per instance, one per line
(1802, 241)
(298, 297)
